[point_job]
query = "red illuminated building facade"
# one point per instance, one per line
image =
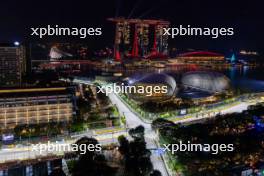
(137, 38)
(201, 57)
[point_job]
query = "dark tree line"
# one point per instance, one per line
(136, 156)
(91, 163)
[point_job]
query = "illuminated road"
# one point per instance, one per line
(212, 113)
(27, 152)
(132, 120)
(238, 108)
(22, 153)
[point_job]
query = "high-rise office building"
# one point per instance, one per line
(12, 64)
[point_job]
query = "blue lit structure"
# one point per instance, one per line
(259, 123)
(233, 58)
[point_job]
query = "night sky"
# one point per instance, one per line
(17, 17)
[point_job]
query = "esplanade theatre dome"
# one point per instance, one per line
(155, 79)
(207, 81)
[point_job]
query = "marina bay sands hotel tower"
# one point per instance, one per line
(137, 38)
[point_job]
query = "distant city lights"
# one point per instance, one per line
(243, 52)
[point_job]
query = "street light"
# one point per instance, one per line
(16, 43)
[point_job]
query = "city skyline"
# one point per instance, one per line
(245, 18)
(131, 88)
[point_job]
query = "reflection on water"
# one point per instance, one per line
(245, 78)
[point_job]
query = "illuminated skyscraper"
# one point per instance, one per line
(12, 64)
